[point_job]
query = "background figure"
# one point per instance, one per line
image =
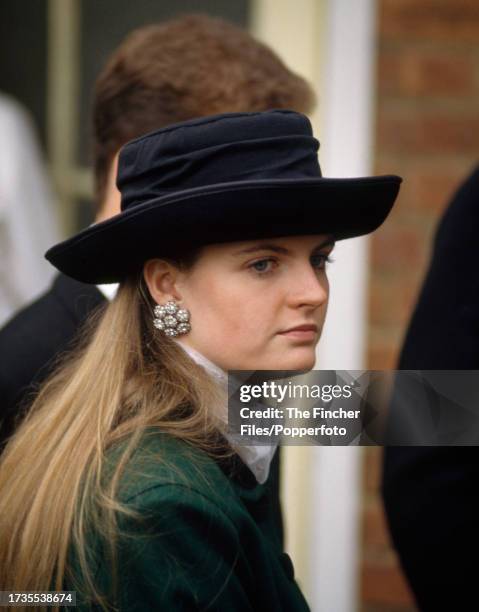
(28, 223)
(431, 494)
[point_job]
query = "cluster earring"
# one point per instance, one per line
(171, 319)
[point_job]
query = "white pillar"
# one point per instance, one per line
(347, 85)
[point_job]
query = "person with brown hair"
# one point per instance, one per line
(123, 482)
(188, 67)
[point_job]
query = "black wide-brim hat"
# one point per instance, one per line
(222, 178)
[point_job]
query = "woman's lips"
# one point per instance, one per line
(302, 332)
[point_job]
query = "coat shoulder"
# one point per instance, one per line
(180, 540)
(163, 466)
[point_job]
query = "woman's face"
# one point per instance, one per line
(255, 305)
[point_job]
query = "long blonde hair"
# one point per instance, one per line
(126, 377)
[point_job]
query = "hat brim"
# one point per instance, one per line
(108, 251)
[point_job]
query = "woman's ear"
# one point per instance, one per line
(161, 278)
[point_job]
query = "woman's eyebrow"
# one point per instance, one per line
(262, 247)
(266, 246)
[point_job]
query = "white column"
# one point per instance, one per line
(347, 85)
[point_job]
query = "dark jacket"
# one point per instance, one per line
(34, 338)
(207, 538)
(431, 494)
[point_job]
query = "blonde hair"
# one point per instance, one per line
(124, 379)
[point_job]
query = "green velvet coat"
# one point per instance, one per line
(209, 537)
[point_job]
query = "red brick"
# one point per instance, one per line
(414, 72)
(389, 73)
(440, 20)
(368, 607)
(432, 191)
(391, 301)
(375, 530)
(394, 247)
(372, 466)
(426, 132)
(382, 356)
(391, 164)
(385, 585)
(429, 184)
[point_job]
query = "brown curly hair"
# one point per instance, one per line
(188, 67)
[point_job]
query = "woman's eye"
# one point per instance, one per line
(320, 260)
(262, 265)
(266, 266)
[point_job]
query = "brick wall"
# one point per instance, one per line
(427, 130)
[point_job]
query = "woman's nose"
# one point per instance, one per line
(308, 287)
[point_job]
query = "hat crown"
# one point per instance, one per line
(231, 147)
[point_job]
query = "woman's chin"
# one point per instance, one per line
(304, 364)
(304, 361)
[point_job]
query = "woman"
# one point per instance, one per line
(122, 483)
